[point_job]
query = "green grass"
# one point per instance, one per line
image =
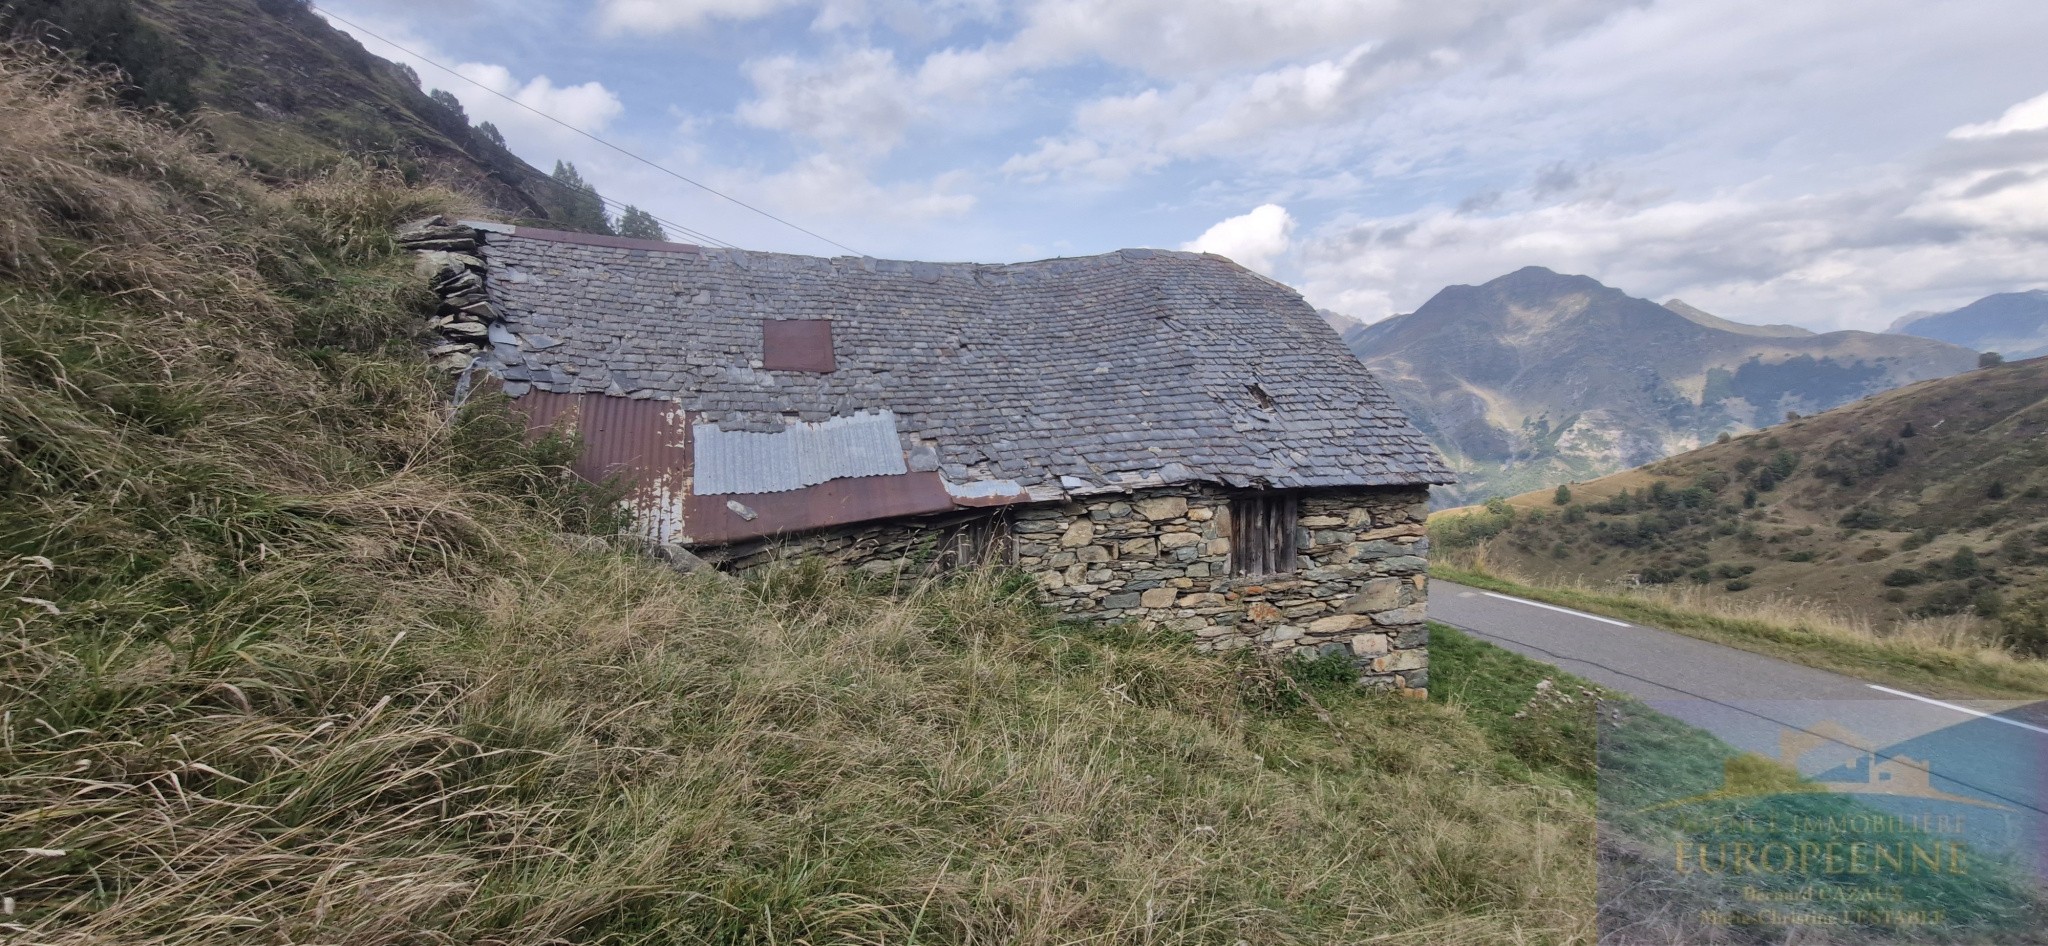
(1901, 663)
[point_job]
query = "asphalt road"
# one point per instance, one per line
(1993, 752)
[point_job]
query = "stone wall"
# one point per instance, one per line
(1358, 588)
(1164, 556)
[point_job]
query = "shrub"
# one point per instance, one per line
(1904, 577)
(1996, 490)
(1863, 517)
(1563, 496)
(1988, 602)
(2024, 625)
(1947, 599)
(1963, 564)
(1737, 584)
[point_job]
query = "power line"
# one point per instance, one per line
(697, 184)
(667, 224)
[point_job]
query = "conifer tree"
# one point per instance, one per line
(581, 207)
(640, 225)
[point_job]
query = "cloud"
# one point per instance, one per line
(823, 186)
(588, 106)
(859, 99)
(1847, 258)
(1256, 240)
(2030, 115)
(662, 16)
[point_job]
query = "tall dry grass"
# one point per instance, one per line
(287, 655)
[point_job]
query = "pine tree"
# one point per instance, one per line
(581, 207)
(447, 100)
(640, 225)
(1563, 497)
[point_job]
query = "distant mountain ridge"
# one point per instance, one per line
(1538, 377)
(2013, 324)
(1701, 317)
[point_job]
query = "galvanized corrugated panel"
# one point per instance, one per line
(737, 462)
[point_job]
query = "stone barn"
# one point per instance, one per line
(1154, 436)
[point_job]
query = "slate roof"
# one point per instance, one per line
(1129, 369)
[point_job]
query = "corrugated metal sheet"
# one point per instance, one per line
(642, 443)
(737, 462)
(651, 449)
(713, 520)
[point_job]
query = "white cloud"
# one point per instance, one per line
(588, 106)
(859, 99)
(2030, 115)
(661, 16)
(1849, 258)
(1256, 240)
(822, 186)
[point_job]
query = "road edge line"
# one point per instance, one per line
(1960, 709)
(1552, 607)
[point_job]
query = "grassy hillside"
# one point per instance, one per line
(293, 655)
(271, 84)
(1922, 512)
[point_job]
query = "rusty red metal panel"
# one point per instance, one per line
(643, 443)
(599, 239)
(837, 502)
(797, 345)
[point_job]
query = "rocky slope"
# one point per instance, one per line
(271, 84)
(1539, 377)
(1927, 501)
(2014, 324)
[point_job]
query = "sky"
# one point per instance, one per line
(1829, 163)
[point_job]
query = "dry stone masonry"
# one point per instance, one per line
(446, 254)
(1163, 556)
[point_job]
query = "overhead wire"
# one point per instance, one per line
(669, 225)
(665, 170)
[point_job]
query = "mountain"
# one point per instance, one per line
(1539, 377)
(1925, 501)
(2014, 324)
(1699, 316)
(271, 84)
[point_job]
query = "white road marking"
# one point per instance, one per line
(1552, 607)
(1959, 709)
